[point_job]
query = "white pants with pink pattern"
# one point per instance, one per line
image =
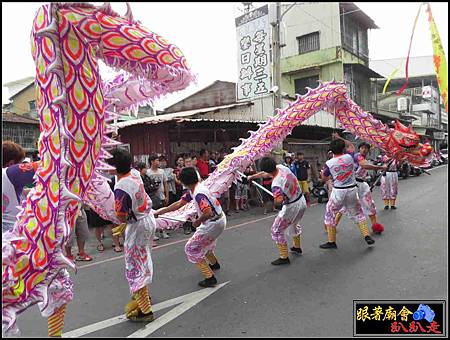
(389, 186)
(346, 200)
(204, 240)
(138, 252)
(288, 221)
(367, 202)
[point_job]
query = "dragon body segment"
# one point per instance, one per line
(66, 42)
(330, 96)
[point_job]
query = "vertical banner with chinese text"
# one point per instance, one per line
(253, 39)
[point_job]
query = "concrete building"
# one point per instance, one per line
(328, 41)
(20, 129)
(420, 104)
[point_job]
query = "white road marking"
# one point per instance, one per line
(187, 301)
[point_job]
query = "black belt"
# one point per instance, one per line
(301, 195)
(348, 187)
(360, 180)
(216, 218)
(391, 171)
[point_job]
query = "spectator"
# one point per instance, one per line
(150, 188)
(81, 232)
(99, 224)
(188, 161)
(176, 171)
(169, 172)
(202, 164)
(194, 161)
(161, 196)
(12, 153)
(213, 161)
(301, 168)
(289, 163)
(241, 195)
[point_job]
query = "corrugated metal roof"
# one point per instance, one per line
(177, 115)
(220, 120)
(11, 117)
(418, 66)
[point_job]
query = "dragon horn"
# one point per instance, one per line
(129, 14)
(106, 7)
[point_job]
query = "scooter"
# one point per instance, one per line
(320, 191)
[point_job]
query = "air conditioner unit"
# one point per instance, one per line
(402, 104)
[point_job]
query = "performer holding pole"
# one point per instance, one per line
(389, 183)
(344, 195)
(364, 192)
(133, 207)
(209, 225)
(288, 197)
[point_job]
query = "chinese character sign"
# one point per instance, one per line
(414, 318)
(253, 40)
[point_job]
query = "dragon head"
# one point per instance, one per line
(405, 144)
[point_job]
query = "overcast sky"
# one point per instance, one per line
(205, 33)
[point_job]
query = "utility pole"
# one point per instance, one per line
(276, 48)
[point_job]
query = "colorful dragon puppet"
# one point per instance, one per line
(399, 143)
(68, 39)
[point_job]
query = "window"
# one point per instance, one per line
(301, 84)
(308, 42)
(32, 105)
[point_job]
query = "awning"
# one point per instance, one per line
(420, 131)
(177, 115)
(364, 69)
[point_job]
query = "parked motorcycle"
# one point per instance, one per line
(320, 191)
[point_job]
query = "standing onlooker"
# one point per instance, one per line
(176, 171)
(150, 188)
(289, 163)
(161, 196)
(81, 233)
(301, 168)
(169, 172)
(188, 163)
(241, 194)
(202, 164)
(213, 162)
(12, 153)
(99, 224)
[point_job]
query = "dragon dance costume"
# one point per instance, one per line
(133, 203)
(389, 184)
(344, 195)
(364, 194)
(201, 245)
(287, 222)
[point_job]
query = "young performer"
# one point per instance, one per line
(133, 207)
(364, 193)
(344, 195)
(389, 183)
(288, 197)
(209, 225)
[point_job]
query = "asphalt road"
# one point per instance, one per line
(311, 297)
